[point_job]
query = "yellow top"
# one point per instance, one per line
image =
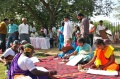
(103, 55)
(3, 28)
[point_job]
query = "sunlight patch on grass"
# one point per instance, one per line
(2, 71)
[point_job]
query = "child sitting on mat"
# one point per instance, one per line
(67, 49)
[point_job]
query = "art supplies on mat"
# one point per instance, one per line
(82, 69)
(42, 69)
(102, 72)
(74, 60)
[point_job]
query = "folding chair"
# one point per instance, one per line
(105, 37)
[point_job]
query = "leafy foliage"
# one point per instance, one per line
(49, 12)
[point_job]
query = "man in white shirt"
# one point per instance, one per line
(54, 29)
(67, 29)
(100, 27)
(24, 31)
(10, 53)
(32, 28)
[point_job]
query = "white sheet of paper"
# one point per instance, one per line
(42, 69)
(74, 60)
(34, 59)
(102, 72)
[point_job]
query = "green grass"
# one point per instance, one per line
(117, 57)
(117, 49)
(2, 71)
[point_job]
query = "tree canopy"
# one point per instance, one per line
(49, 12)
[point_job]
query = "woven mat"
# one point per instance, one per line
(68, 72)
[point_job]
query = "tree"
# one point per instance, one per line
(117, 9)
(48, 12)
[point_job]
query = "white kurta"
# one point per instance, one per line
(67, 31)
(99, 27)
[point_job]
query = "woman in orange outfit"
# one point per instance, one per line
(103, 57)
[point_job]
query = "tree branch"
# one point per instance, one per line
(46, 5)
(57, 6)
(33, 13)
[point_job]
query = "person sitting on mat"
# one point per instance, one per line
(83, 50)
(23, 66)
(67, 49)
(103, 57)
(9, 54)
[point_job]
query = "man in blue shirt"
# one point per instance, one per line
(12, 32)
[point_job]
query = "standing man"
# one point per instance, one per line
(12, 32)
(84, 28)
(32, 28)
(100, 27)
(67, 32)
(3, 32)
(91, 31)
(54, 29)
(24, 31)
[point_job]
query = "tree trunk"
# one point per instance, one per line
(52, 19)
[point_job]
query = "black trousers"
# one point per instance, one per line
(3, 42)
(91, 39)
(87, 39)
(51, 41)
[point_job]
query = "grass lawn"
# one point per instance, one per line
(2, 71)
(41, 55)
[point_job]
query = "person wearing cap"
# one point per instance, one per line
(3, 32)
(23, 66)
(12, 32)
(67, 32)
(10, 53)
(24, 31)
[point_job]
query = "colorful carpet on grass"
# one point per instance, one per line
(68, 72)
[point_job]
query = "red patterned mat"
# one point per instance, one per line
(68, 72)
